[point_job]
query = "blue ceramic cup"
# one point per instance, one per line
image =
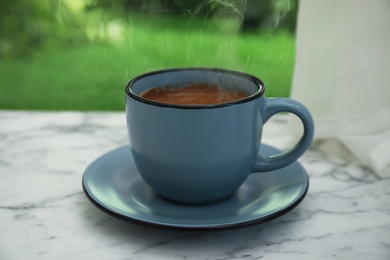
(198, 154)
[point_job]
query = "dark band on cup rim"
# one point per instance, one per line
(253, 79)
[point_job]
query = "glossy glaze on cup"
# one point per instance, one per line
(202, 154)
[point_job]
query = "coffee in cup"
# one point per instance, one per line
(192, 94)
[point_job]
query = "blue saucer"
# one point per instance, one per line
(114, 185)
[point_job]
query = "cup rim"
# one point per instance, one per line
(250, 77)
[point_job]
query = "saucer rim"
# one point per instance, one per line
(236, 225)
(229, 226)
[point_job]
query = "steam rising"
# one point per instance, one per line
(209, 28)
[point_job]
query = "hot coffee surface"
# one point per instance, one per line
(195, 94)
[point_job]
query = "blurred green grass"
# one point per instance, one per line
(92, 76)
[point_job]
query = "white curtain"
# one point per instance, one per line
(342, 74)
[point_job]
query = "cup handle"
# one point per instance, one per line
(274, 106)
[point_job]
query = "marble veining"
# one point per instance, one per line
(45, 215)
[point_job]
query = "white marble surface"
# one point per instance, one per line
(44, 213)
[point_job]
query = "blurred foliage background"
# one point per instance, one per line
(79, 54)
